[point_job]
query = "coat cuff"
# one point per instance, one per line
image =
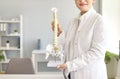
(66, 71)
(62, 34)
(68, 67)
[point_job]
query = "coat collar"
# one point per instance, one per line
(86, 15)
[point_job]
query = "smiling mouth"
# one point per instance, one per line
(82, 4)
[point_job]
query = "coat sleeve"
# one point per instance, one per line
(96, 51)
(61, 38)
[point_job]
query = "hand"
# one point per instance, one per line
(62, 66)
(59, 28)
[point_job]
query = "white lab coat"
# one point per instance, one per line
(84, 46)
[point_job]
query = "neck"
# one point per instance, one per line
(83, 12)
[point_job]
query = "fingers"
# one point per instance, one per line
(52, 25)
(59, 28)
(58, 67)
(62, 67)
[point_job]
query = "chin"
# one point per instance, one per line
(84, 10)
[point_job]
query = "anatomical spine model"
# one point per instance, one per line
(55, 49)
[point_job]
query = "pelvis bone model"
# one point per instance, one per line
(55, 49)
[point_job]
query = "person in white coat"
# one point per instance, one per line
(84, 44)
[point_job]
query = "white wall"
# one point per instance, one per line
(37, 18)
(110, 10)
